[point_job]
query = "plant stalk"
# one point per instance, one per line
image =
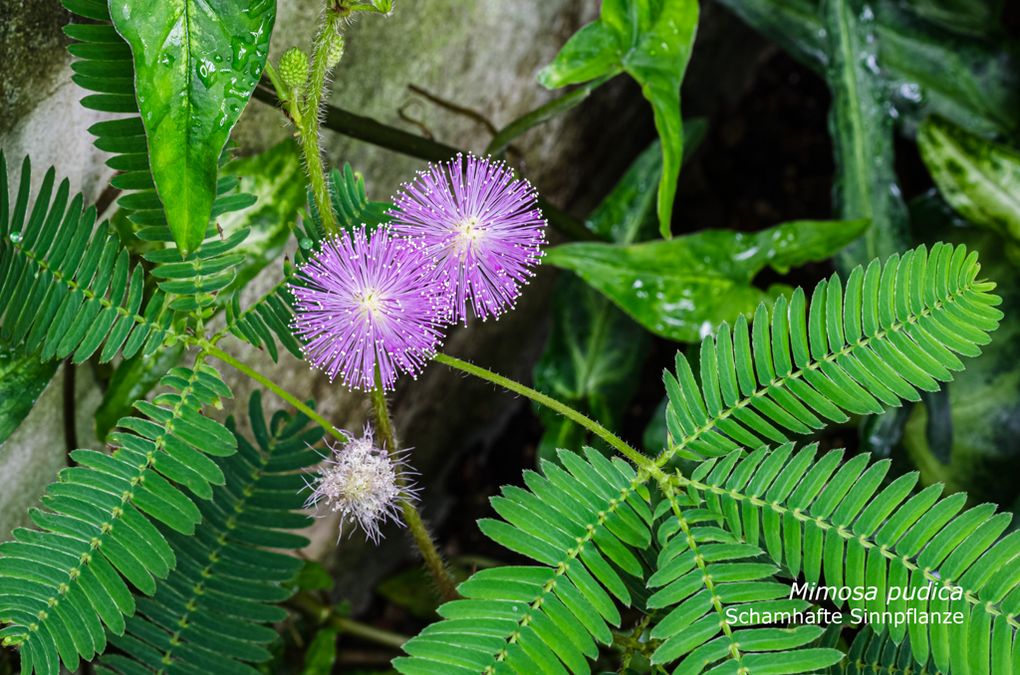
(326, 614)
(370, 131)
(294, 401)
(412, 517)
(542, 399)
(415, 524)
(309, 124)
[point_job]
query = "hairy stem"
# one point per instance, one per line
(375, 133)
(326, 614)
(415, 525)
(431, 555)
(551, 403)
(294, 401)
(309, 127)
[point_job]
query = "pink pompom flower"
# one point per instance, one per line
(480, 225)
(366, 302)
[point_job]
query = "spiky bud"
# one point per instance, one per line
(294, 68)
(363, 483)
(335, 50)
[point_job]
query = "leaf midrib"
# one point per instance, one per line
(211, 559)
(74, 574)
(814, 364)
(866, 541)
(573, 555)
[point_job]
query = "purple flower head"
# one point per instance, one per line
(366, 302)
(480, 225)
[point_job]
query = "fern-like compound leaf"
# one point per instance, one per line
(68, 288)
(878, 654)
(350, 201)
(707, 581)
(840, 524)
(97, 532)
(210, 614)
(267, 321)
(581, 523)
(891, 330)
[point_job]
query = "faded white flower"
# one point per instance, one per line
(363, 483)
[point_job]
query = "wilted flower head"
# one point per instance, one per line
(480, 225)
(363, 483)
(366, 302)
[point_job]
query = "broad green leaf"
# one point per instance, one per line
(682, 287)
(862, 135)
(196, 65)
(984, 399)
(928, 70)
(275, 177)
(22, 379)
(651, 42)
(980, 179)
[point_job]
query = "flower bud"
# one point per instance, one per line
(363, 484)
(294, 68)
(335, 50)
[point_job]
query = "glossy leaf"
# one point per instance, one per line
(980, 179)
(196, 65)
(22, 379)
(928, 70)
(683, 287)
(862, 135)
(651, 42)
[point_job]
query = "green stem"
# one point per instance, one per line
(551, 403)
(370, 633)
(326, 614)
(370, 131)
(415, 525)
(294, 401)
(309, 129)
(501, 139)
